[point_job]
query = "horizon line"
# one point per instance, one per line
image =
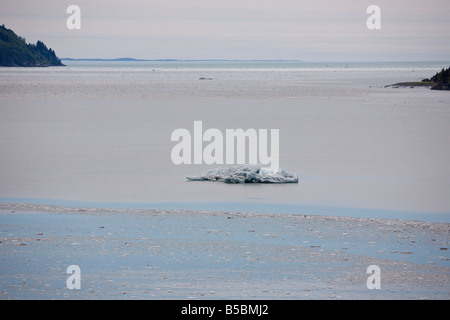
(126, 59)
(170, 59)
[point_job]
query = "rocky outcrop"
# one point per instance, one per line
(442, 80)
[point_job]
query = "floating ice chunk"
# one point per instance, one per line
(247, 174)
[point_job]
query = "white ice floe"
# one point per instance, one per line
(247, 174)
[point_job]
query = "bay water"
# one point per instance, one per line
(98, 134)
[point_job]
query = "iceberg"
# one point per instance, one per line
(247, 174)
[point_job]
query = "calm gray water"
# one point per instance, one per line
(98, 134)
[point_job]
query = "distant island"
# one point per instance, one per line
(15, 52)
(117, 59)
(171, 60)
(440, 81)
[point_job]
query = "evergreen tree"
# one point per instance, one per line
(15, 52)
(442, 80)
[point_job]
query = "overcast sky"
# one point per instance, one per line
(313, 30)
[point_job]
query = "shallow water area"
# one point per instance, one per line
(167, 254)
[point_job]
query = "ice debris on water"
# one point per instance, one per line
(247, 174)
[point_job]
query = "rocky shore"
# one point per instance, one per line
(440, 81)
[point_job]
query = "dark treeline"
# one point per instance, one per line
(15, 52)
(441, 80)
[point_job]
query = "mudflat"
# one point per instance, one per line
(177, 254)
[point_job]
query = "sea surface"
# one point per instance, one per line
(98, 134)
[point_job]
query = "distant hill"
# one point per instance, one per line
(175, 60)
(117, 59)
(15, 52)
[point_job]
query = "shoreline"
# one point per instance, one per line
(179, 254)
(242, 207)
(51, 208)
(411, 84)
